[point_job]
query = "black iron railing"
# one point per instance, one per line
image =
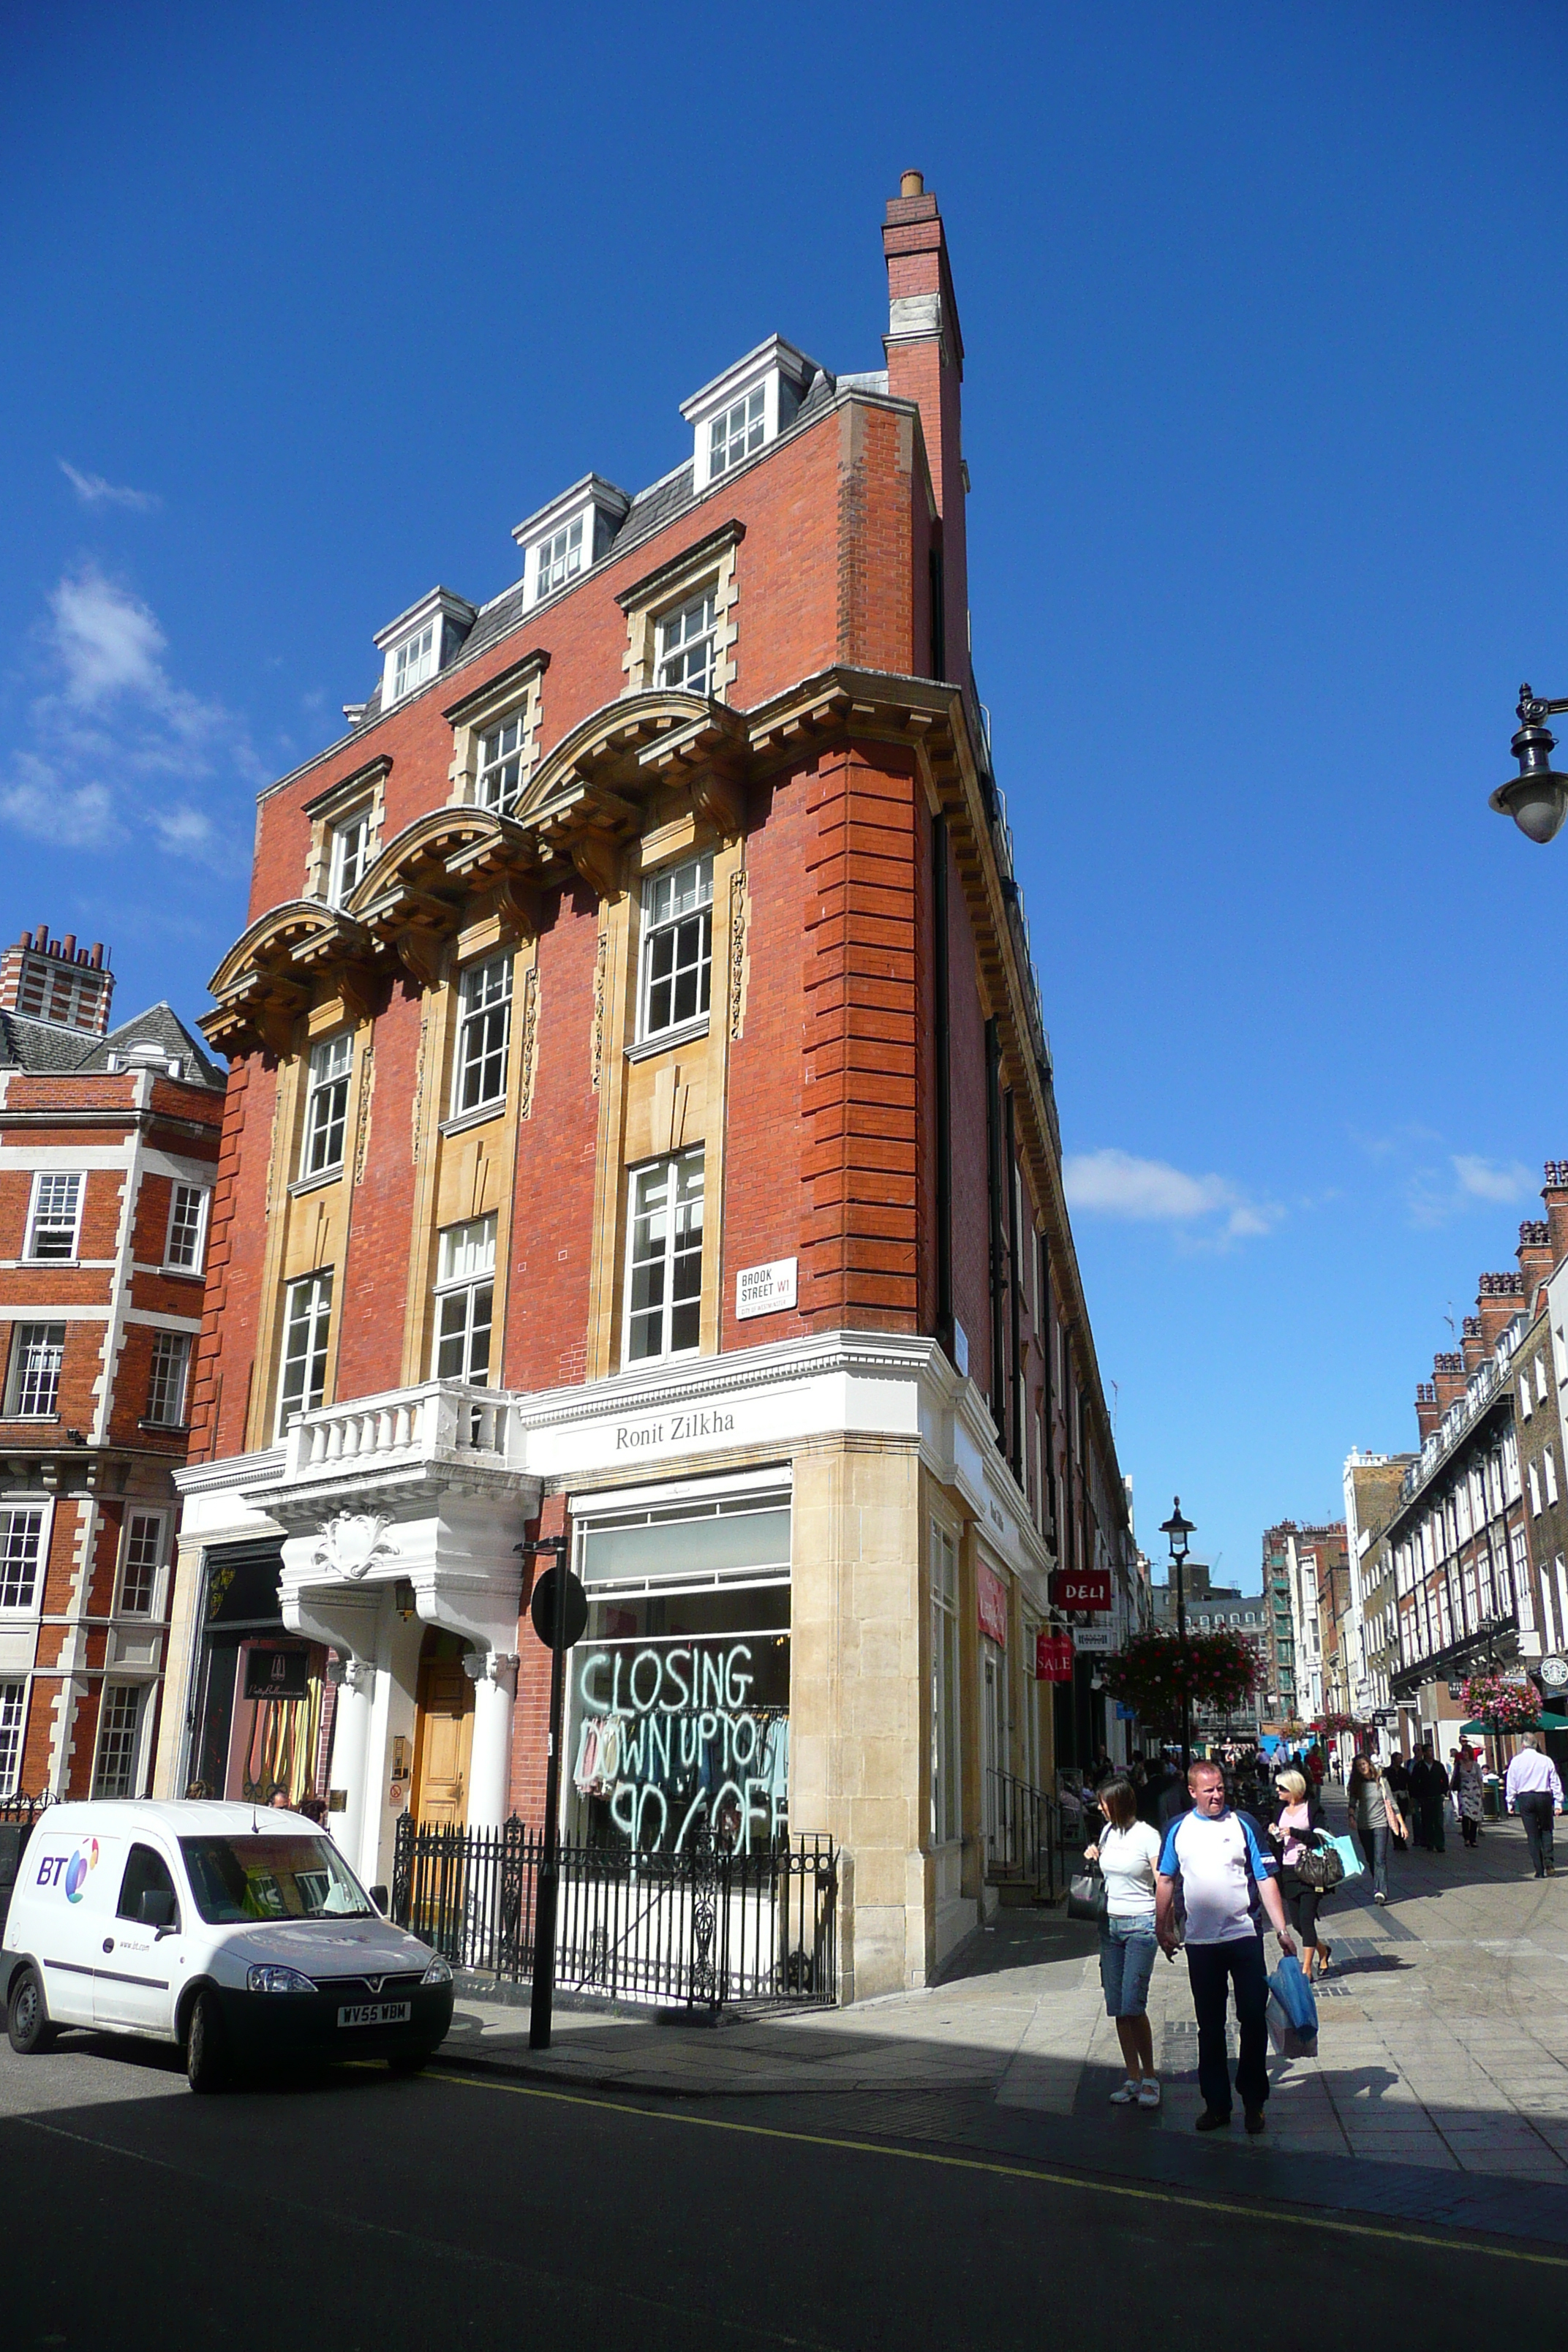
(1024, 1836)
(17, 1815)
(704, 1927)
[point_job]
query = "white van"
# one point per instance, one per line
(237, 1932)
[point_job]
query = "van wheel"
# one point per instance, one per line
(207, 2053)
(28, 2019)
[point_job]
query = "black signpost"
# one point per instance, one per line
(560, 1612)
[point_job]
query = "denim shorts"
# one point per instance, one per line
(1126, 1954)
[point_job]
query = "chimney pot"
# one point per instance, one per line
(912, 183)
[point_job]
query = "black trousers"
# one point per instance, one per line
(1212, 1970)
(1432, 1823)
(1534, 1807)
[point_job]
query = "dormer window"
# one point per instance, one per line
(737, 433)
(745, 408)
(414, 662)
(421, 642)
(563, 538)
(559, 559)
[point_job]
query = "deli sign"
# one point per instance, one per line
(1053, 1657)
(1086, 1588)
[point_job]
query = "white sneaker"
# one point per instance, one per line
(1126, 2094)
(1380, 1898)
(1149, 2093)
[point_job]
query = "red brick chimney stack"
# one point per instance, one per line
(1428, 1412)
(925, 364)
(1470, 1345)
(1535, 1258)
(56, 981)
(1554, 1192)
(1448, 1381)
(1500, 1297)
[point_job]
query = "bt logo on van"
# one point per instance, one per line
(70, 1870)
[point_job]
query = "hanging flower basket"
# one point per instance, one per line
(1155, 1671)
(1502, 1706)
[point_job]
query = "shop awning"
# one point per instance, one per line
(1546, 1721)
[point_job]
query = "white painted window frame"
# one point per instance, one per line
(43, 1179)
(203, 1194)
(155, 1609)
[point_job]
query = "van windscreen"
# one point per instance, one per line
(238, 1878)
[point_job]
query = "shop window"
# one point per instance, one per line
(166, 1380)
(678, 1695)
(55, 1217)
(306, 1320)
(32, 1381)
(484, 1031)
(946, 1821)
(185, 1247)
(663, 1273)
(327, 1104)
(13, 1721)
(676, 947)
(464, 1292)
(119, 1739)
(142, 1560)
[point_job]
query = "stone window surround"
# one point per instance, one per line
(518, 686)
(366, 785)
(647, 602)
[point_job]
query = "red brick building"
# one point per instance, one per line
(640, 1122)
(108, 1148)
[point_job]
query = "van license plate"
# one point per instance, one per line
(376, 2012)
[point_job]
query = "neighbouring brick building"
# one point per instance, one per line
(640, 1125)
(1373, 1483)
(1479, 1535)
(108, 1147)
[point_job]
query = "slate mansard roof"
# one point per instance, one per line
(649, 511)
(44, 1051)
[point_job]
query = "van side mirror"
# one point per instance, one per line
(158, 1908)
(378, 1897)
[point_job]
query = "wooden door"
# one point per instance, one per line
(443, 1736)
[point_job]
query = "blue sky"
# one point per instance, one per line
(302, 309)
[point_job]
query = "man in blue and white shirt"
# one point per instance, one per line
(1228, 1884)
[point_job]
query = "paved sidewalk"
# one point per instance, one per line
(1444, 2041)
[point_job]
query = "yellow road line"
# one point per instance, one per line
(1292, 2217)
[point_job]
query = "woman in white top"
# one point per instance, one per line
(1127, 1853)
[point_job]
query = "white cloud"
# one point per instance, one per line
(117, 747)
(94, 491)
(1112, 1183)
(108, 642)
(1486, 1181)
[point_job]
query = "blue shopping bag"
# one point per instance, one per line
(1346, 1847)
(1294, 1995)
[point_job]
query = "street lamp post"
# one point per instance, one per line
(1537, 798)
(1178, 1529)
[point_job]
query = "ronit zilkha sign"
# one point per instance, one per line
(766, 1289)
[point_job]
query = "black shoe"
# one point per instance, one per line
(1255, 2119)
(1211, 2120)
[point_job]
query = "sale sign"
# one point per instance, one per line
(1053, 1657)
(1080, 1588)
(992, 1594)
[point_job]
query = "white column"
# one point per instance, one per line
(351, 1762)
(494, 1677)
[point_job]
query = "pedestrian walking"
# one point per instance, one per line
(1533, 1791)
(1300, 1818)
(1376, 1819)
(1227, 1882)
(1428, 1791)
(1469, 1788)
(1127, 1853)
